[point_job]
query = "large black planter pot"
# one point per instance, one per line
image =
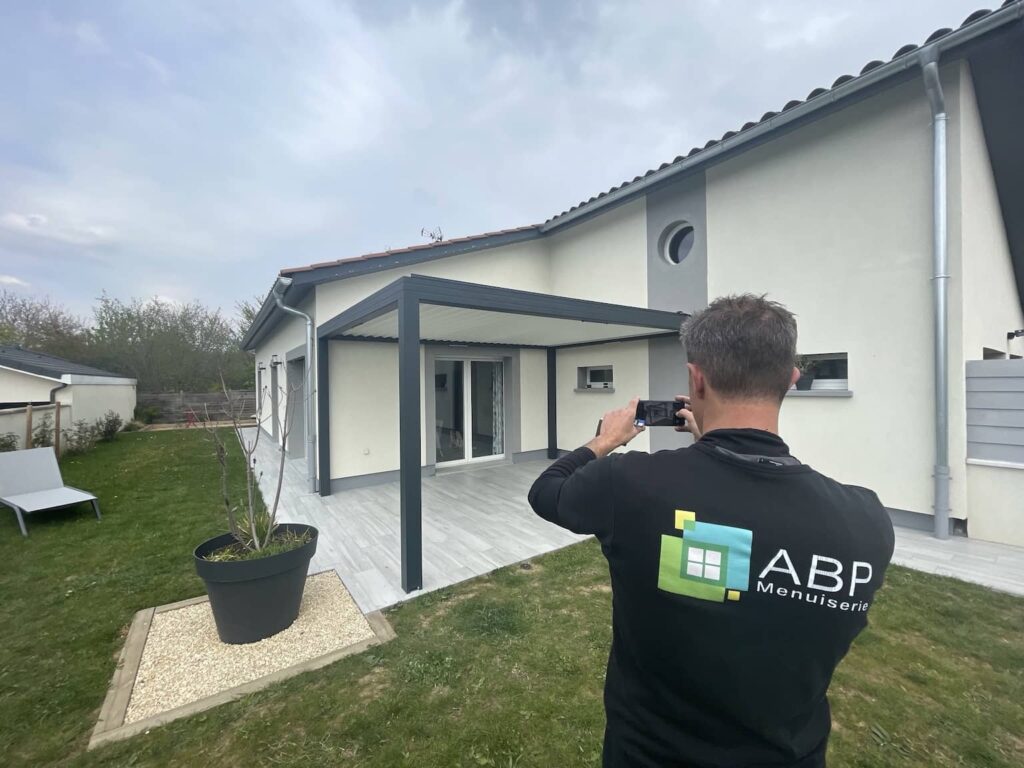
(254, 599)
(805, 381)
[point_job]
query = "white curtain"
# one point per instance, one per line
(498, 405)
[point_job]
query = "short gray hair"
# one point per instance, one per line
(746, 346)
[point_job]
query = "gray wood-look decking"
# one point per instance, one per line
(477, 519)
(474, 521)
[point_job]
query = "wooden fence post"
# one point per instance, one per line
(28, 426)
(56, 429)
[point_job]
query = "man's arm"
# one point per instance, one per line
(575, 492)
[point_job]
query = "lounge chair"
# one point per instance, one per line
(30, 481)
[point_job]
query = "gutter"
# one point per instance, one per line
(929, 59)
(903, 63)
(279, 287)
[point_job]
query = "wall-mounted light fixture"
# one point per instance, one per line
(261, 366)
(274, 361)
(1010, 335)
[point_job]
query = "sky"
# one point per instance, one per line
(190, 150)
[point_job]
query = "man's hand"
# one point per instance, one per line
(691, 423)
(617, 429)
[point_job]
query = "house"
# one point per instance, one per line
(42, 380)
(885, 210)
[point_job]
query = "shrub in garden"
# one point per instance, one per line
(146, 414)
(42, 433)
(8, 442)
(80, 438)
(108, 427)
(132, 426)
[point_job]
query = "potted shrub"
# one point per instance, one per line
(255, 573)
(806, 374)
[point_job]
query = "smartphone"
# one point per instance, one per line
(659, 413)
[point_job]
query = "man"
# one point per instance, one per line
(740, 576)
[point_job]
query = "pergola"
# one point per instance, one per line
(414, 310)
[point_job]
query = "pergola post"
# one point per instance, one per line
(552, 405)
(409, 440)
(323, 416)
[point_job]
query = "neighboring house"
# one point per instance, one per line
(510, 345)
(83, 392)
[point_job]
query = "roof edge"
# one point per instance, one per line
(772, 122)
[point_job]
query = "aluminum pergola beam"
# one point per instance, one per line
(405, 296)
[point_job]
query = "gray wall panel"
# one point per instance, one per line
(682, 287)
(678, 287)
(995, 410)
(1001, 400)
(668, 378)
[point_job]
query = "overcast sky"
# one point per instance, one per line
(190, 150)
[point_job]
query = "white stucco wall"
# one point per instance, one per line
(19, 386)
(579, 412)
(603, 259)
(289, 333)
(991, 306)
(834, 221)
(90, 402)
(533, 393)
(521, 265)
(996, 499)
(364, 408)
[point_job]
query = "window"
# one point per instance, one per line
(704, 563)
(677, 242)
(595, 377)
(828, 371)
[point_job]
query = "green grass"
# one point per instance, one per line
(505, 670)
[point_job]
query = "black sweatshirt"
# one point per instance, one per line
(739, 579)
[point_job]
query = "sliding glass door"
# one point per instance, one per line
(469, 410)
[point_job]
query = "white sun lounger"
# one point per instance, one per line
(30, 481)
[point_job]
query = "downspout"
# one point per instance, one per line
(929, 58)
(279, 287)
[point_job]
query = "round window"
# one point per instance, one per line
(677, 242)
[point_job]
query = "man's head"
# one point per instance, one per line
(741, 351)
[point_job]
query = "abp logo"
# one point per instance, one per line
(707, 561)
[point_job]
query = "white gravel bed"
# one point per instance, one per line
(184, 660)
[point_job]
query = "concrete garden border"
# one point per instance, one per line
(111, 726)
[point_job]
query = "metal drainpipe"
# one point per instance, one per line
(281, 284)
(929, 58)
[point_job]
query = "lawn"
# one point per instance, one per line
(505, 670)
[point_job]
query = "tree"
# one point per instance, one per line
(247, 309)
(169, 347)
(43, 326)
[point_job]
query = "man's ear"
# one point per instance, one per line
(795, 377)
(698, 384)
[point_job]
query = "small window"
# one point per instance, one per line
(595, 377)
(677, 242)
(824, 371)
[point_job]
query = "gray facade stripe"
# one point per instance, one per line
(668, 377)
(674, 286)
(995, 410)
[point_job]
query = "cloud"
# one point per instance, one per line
(41, 226)
(151, 63)
(213, 143)
(813, 29)
(12, 280)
